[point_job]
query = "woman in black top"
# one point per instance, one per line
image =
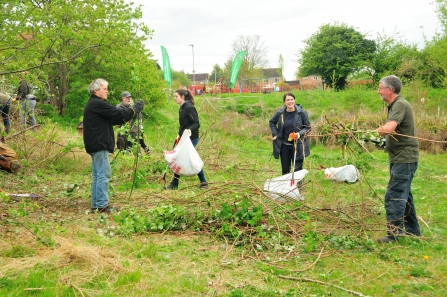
(291, 118)
(188, 119)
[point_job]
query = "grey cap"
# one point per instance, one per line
(30, 96)
(126, 94)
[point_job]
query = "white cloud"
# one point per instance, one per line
(282, 25)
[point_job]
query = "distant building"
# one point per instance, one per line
(272, 75)
(311, 82)
(201, 78)
(290, 85)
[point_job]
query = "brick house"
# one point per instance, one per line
(201, 78)
(310, 82)
(272, 76)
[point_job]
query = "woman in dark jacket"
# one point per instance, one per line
(188, 119)
(291, 118)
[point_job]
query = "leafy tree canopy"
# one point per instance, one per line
(334, 52)
(70, 43)
(388, 57)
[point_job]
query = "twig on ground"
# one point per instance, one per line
(23, 131)
(311, 265)
(74, 286)
(423, 222)
(304, 279)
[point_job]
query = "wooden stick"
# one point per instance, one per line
(23, 131)
(74, 286)
(311, 265)
(423, 221)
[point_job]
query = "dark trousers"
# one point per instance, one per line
(287, 154)
(399, 202)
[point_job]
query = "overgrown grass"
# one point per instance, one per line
(232, 239)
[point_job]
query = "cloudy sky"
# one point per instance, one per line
(212, 26)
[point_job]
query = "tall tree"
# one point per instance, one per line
(74, 42)
(216, 73)
(255, 55)
(441, 8)
(390, 53)
(281, 66)
(334, 52)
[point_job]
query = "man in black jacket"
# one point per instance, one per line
(99, 139)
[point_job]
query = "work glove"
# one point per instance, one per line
(138, 106)
(294, 136)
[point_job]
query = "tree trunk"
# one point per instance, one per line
(63, 86)
(8, 159)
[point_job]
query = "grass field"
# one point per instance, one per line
(231, 239)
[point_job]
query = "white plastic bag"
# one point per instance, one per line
(279, 188)
(346, 173)
(184, 159)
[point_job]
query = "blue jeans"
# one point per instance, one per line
(101, 175)
(201, 174)
(4, 110)
(399, 202)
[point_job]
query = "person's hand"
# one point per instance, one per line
(177, 139)
(138, 106)
(294, 136)
(274, 138)
(188, 131)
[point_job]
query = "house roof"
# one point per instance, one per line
(271, 72)
(292, 82)
(199, 76)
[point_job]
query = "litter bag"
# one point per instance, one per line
(279, 188)
(184, 159)
(346, 173)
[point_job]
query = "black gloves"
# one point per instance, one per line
(138, 106)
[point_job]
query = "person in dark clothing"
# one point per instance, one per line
(123, 143)
(290, 119)
(403, 157)
(188, 119)
(99, 139)
(24, 88)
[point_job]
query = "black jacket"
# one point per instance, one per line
(23, 90)
(301, 125)
(99, 118)
(188, 119)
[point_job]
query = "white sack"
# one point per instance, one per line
(279, 188)
(184, 159)
(346, 173)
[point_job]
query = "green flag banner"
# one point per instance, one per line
(167, 75)
(235, 67)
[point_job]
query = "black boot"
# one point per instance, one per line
(173, 185)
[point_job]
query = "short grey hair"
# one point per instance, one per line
(393, 82)
(96, 85)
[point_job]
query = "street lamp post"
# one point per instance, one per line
(193, 71)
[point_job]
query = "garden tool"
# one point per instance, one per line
(293, 136)
(167, 165)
